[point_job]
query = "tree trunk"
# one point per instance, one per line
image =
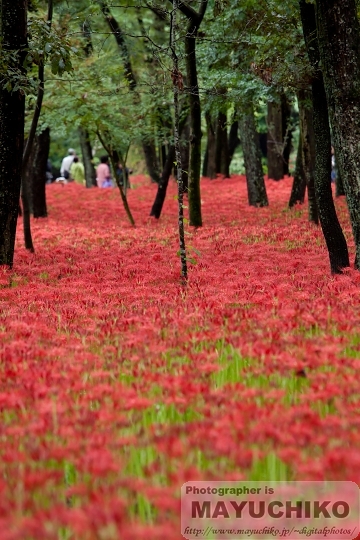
(209, 168)
(252, 157)
(185, 156)
(222, 148)
(149, 148)
(339, 186)
(166, 173)
(151, 160)
(195, 18)
(38, 174)
(13, 23)
(176, 89)
(195, 128)
(308, 147)
(299, 183)
(86, 151)
(339, 44)
(234, 140)
(334, 237)
(287, 131)
(275, 160)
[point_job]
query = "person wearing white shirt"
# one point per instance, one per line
(66, 164)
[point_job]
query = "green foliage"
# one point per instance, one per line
(247, 52)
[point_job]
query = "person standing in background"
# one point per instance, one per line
(66, 164)
(103, 175)
(77, 171)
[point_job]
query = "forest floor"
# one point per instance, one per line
(117, 385)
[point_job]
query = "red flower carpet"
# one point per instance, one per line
(117, 384)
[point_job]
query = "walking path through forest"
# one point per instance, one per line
(117, 385)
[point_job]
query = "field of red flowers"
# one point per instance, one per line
(117, 384)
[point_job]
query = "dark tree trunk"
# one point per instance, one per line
(163, 184)
(275, 160)
(234, 140)
(149, 148)
(308, 147)
(299, 183)
(222, 148)
(339, 186)
(195, 18)
(209, 167)
(151, 160)
(334, 237)
(195, 128)
(13, 17)
(86, 151)
(287, 131)
(339, 43)
(166, 173)
(38, 180)
(252, 157)
(26, 188)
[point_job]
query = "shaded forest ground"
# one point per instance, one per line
(117, 385)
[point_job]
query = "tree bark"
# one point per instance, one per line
(234, 140)
(275, 160)
(308, 148)
(38, 174)
(334, 237)
(299, 183)
(13, 22)
(209, 166)
(339, 186)
(176, 90)
(222, 148)
(25, 187)
(86, 151)
(287, 131)
(252, 157)
(339, 43)
(195, 18)
(166, 173)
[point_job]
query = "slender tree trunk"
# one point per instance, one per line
(166, 173)
(252, 157)
(151, 160)
(38, 176)
(195, 128)
(275, 158)
(308, 147)
(185, 156)
(222, 148)
(234, 140)
(339, 43)
(149, 148)
(195, 18)
(287, 131)
(299, 183)
(114, 159)
(25, 189)
(209, 168)
(334, 237)
(176, 89)
(13, 24)
(86, 151)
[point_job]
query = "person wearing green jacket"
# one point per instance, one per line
(77, 171)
